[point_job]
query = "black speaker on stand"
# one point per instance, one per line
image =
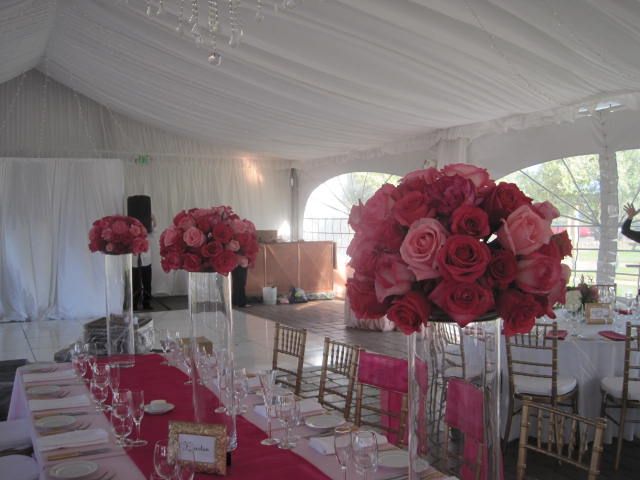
(139, 207)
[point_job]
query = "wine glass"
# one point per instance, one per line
(136, 407)
(364, 449)
(342, 447)
(240, 388)
(285, 406)
(99, 394)
(164, 337)
(79, 364)
(113, 370)
(101, 370)
(161, 462)
(121, 420)
(267, 382)
(185, 466)
(91, 349)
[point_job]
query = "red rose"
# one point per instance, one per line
(211, 249)
(191, 262)
(362, 297)
(225, 262)
(463, 258)
(364, 254)
(463, 302)
(171, 261)
(139, 245)
(222, 232)
(449, 192)
(502, 269)
(563, 242)
(184, 220)
(95, 245)
(120, 227)
(378, 208)
(470, 220)
(538, 273)
(503, 199)
(204, 224)
(518, 310)
(557, 294)
(479, 176)
(419, 180)
(411, 207)
(409, 312)
(390, 235)
(393, 277)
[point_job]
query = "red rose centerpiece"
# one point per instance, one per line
(208, 240)
(465, 245)
(118, 234)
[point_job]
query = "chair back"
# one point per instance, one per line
(291, 342)
(463, 412)
(338, 375)
(552, 427)
(452, 347)
(544, 338)
(631, 359)
(384, 403)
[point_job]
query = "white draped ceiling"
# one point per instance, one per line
(332, 78)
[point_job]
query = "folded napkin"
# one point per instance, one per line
(325, 445)
(77, 438)
(65, 374)
(37, 405)
(307, 405)
(611, 335)
(560, 335)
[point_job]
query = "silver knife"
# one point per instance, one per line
(64, 456)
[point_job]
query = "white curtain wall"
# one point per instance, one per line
(47, 206)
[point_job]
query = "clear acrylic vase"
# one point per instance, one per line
(211, 317)
(454, 399)
(120, 331)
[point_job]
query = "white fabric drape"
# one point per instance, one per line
(46, 209)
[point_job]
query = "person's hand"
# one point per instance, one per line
(630, 210)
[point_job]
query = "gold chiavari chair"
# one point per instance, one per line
(338, 375)
(623, 393)
(453, 356)
(537, 377)
(552, 427)
(291, 342)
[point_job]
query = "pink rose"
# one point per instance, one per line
(120, 227)
(392, 276)
(463, 258)
(546, 210)
(448, 193)
(135, 230)
(411, 207)
(524, 231)
(233, 245)
(107, 234)
(239, 226)
(409, 312)
(362, 297)
(139, 245)
(470, 220)
(184, 220)
(420, 246)
(193, 237)
(538, 273)
(169, 236)
(355, 215)
(557, 294)
(364, 253)
(463, 302)
(191, 262)
(479, 176)
(198, 213)
(419, 179)
(378, 208)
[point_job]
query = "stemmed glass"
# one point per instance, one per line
(285, 411)
(91, 350)
(79, 363)
(161, 462)
(113, 371)
(342, 447)
(164, 338)
(187, 360)
(136, 407)
(240, 388)
(98, 392)
(267, 382)
(364, 448)
(185, 466)
(121, 420)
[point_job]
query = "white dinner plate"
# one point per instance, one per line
(324, 421)
(43, 390)
(55, 421)
(159, 411)
(73, 469)
(394, 459)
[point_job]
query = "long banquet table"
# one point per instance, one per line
(250, 459)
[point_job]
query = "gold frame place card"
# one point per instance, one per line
(207, 441)
(598, 313)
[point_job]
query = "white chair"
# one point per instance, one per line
(19, 467)
(15, 436)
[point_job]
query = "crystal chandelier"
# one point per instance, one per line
(203, 21)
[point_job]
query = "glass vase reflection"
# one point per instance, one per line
(120, 331)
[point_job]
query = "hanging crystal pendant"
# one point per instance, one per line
(215, 58)
(234, 38)
(196, 29)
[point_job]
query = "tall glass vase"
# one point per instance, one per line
(211, 317)
(454, 399)
(120, 342)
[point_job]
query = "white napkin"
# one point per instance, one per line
(325, 445)
(54, 403)
(65, 374)
(78, 438)
(307, 405)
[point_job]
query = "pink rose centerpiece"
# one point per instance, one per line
(452, 243)
(208, 240)
(118, 234)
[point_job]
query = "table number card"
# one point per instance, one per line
(598, 313)
(208, 442)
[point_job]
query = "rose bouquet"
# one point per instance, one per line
(452, 243)
(118, 234)
(208, 240)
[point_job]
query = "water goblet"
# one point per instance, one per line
(161, 462)
(342, 447)
(113, 370)
(187, 360)
(240, 388)
(121, 420)
(136, 408)
(364, 449)
(79, 364)
(185, 465)
(285, 405)
(164, 338)
(270, 411)
(99, 394)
